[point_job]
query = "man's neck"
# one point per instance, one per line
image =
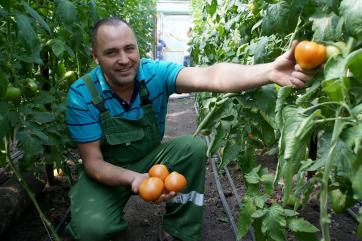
(125, 92)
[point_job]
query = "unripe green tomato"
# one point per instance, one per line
(332, 51)
(61, 70)
(70, 77)
(33, 86)
(12, 94)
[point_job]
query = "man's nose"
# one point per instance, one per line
(122, 58)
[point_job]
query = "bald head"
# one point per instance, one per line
(111, 21)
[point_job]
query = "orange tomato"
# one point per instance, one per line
(159, 170)
(151, 189)
(175, 182)
(310, 54)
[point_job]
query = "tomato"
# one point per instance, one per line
(12, 93)
(151, 189)
(310, 55)
(32, 85)
(70, 77)
(337, 200)
(335, 49)
(159, 170)
(175, 182)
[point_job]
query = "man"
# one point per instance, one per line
(161, 47)
(116, 114)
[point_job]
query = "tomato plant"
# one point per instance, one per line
(325, 117)
(159, 170)
(175, 182)
(151, 188)
(43, 44)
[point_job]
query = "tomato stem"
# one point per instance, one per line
(324, 218)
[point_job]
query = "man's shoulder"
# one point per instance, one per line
(79, 87)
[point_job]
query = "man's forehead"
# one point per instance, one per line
(115, 32)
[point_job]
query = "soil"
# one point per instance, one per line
(144, 218)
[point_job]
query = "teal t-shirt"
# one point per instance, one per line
(83, 117)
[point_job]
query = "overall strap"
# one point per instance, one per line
(144, 95)
(96, 98)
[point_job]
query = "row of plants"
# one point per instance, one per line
(315, 132)
(44, 47)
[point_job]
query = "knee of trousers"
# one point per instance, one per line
(92, 230)
(193, 150)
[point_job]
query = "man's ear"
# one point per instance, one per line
(94, 57)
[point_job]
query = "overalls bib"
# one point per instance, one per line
(97, 209)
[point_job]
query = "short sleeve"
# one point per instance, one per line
(169, 71)
(82, 124)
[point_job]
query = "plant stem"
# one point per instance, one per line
(324, 219)
(333, 119)
(30, 194)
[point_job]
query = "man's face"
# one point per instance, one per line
(116, 51)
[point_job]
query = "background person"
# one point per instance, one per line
(116, 114)
(161, 47)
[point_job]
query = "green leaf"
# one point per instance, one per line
(352, 135)
(36, 16)
(259, 213)
(356, 184)
(231, 151)
(29, 144)
(260, 200)
(274, 223)
(336, 89)
(326, 27)
(301, 225)
(244, 222)
(279, 18)
(351, 10)
(43, 117)
(66, 11)
(354, 62)
(359, 229)
(334, 68)
(253, 176)
(25, 30)
(58, 47)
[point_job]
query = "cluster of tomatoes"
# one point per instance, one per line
(160, 180)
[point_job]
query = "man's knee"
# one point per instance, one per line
(196, 146)
(94, 229)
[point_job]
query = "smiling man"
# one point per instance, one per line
(116, 115)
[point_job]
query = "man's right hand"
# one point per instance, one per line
(137, 180)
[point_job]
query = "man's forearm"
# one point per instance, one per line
(234, 77)
(109, 174)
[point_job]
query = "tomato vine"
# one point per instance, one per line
(315, 132)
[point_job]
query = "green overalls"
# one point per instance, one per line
(97, 209)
